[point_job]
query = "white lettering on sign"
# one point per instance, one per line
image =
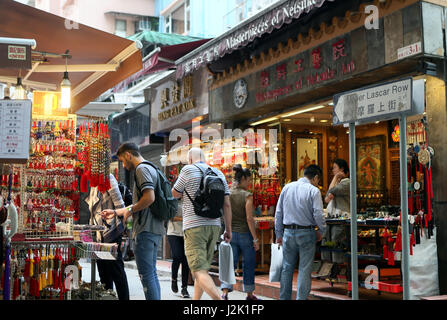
(409, 51)
(374, 103)
(16, 53)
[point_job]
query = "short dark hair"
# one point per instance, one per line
(239, 172)
(343, 165)
(130, 147)
(313, 170)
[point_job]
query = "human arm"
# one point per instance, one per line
(251, 220)
(279, 226)
(227, 219)
(335, 181)
(318, 213)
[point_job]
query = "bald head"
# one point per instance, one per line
(196, 155)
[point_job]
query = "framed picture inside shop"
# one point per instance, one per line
(371, 167)
(307, 150)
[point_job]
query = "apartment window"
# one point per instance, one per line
(179, 20)
(120, 28)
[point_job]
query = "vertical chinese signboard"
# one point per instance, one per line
(15, 129)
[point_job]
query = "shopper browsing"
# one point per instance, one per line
(244, 240)
(202, 233)
(298, 213)
(110, 271)
(339, 189)
(147, 231)
(177, 244)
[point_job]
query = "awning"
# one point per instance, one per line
(160, 59)
(271, 18)
(99, 60)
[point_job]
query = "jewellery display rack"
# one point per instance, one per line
(49, 183)
(38, 269)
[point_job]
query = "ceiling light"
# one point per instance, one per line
(264, 121)
(377, 122)
(290, 130)
(274, 124)
(302, 111)
(19, 90)
(65, 90)
(324, 121)
(331, 103)
(287, 120)
(312, 119)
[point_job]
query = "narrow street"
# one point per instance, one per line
(164, 276)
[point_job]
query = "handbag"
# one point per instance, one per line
(114, 231)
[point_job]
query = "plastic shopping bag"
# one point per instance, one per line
(275, 263)
(226, 265)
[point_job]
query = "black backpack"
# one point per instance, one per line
(165, 205)
(209, 199)
(125, 194)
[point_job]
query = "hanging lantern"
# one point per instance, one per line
(65, 92)
(396, 134)
(19, 92)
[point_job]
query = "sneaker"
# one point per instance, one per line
(185, 293)
(224, 297)
(174, 286)
(253, 297)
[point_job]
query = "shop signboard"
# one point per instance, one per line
(15, 56)
(175, 103)
(15, 128)
(264, 22)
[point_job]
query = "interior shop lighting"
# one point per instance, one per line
(65, 89)
(312, 119)
(324, 121)
(287, 120)
(274, 124)
(331, 103)
(19, 91)
(263, 121)
(303, 111)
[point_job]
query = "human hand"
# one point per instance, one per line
(108, 213)
(227, 236)
(279, 241)
(256, 245)
(319, 236)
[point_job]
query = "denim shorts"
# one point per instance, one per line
(200, 243)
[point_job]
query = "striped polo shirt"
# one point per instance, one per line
(189, 180)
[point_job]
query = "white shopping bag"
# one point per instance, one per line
(275, 263)
(226, 266)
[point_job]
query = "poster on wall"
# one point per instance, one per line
(307, 153)
(15, 128)
(370, 163)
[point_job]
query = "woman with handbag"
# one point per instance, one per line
(110, 271)
(244, 239)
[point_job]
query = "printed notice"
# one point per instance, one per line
(15, 129)
(104, 255)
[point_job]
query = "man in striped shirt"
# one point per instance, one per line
(201, 234)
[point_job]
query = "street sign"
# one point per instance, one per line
(374, 103)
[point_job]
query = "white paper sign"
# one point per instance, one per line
(15, 129)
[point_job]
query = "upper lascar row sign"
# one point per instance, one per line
(381, 102)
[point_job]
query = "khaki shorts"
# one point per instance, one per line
(199, 246)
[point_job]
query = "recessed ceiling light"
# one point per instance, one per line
(324, 121)
(287, 120)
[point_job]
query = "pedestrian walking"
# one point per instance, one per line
(147, 230)
(201, 232)
(110, 271)
(177, 244)
(299, 224)
(244, 240)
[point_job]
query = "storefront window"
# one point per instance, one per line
(179, 20)
(120, 28)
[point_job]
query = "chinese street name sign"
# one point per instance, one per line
(380, 102)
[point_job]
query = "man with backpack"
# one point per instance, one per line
(205, 195)
(152, 205)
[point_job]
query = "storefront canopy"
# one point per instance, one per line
(99, 60)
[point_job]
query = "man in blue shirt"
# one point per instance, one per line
(298, 215)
